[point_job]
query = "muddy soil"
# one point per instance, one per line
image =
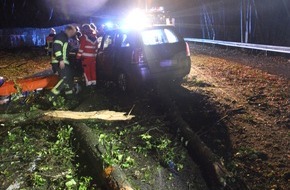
(254, 107)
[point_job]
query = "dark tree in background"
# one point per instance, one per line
(250, 21)
(253, 21)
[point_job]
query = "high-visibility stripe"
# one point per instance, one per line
(59, 83)
(89, 54)
(69, 92)
(90, 47)
(54, 61)
(58, 42)
(88, 83)
(81, 51)
(54, 90)
(87, 38)
(64, 50)
(58, 53)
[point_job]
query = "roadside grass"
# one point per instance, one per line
(131, 147)
(35, 157)
(147, 141)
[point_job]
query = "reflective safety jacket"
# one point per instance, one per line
(88, 47)
(60, 48)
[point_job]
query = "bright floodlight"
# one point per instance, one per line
(109, 25)
(137, 19)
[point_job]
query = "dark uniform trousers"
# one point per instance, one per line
(66, 79)
(60, 53)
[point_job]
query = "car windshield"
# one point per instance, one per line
(159, 36)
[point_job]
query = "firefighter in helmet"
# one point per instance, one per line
(49, 41)
(60, 62)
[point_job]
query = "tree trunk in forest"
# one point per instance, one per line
(242, 20)
(246, 20)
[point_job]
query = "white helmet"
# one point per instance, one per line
(52, 31)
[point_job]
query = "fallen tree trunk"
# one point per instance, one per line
(112, 176)
(216, 175)
(95, 115)
(210, 164)
(32, 116)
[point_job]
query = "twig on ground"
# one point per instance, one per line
(55, 177)
(154, 128)
(143, 120)
(131, 110)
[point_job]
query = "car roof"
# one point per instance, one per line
(161, 26)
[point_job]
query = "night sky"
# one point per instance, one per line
(40, 13)
(270, 18)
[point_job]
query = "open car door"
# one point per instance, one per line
(105, 57)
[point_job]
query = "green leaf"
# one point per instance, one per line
(120, 157)
(125, 165)
(69, 176)
(70, 183)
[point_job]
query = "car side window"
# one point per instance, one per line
(125, 41)
(129, 40)
(121, 40)
(100, 39)
(108, 42)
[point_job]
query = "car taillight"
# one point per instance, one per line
(187, 49)
(138, 56)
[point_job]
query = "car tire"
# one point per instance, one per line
(180, 80)
(123, 82)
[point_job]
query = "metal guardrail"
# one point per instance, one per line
(270, 48)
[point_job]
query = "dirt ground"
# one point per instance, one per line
(22, 63)
(151, 156)
(238, 103)
(159, 161)
(255, 107)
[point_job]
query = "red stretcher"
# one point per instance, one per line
(28, 85)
